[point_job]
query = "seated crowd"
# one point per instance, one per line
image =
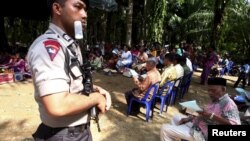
(14, 63)
(159, 66)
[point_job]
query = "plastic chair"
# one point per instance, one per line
(185, 83)
(145, 100)
(242, 96)
(164, 95)
(175, 91)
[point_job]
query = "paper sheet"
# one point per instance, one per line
(247, 113)
(144, 76)
(191, 105)
(133, 72)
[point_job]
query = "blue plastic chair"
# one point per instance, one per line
(185, 83)
(164, 95)
(175, 91)
(145, 100)
(242, 96)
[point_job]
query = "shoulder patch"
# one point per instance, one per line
(52, 47)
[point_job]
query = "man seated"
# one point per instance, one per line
(153, 76)
(221, 110)
(177, 65)
(169, 73)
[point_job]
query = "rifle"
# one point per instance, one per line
(85, 69)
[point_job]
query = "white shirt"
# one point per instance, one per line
(127, 56)
(179, 70)
(189, 64)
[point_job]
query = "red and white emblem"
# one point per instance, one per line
(52, 47)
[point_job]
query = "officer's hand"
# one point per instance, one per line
(106, 95)
(101, 101)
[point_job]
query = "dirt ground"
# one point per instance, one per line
(19, 115)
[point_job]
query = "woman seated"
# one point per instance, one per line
(124, 60)
(96, 62)
(141, 59)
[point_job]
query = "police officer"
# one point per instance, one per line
(58, 82)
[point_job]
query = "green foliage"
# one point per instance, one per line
(235, 34)
(188, 20)
(23, 31)
(156, 17)
(159, 20)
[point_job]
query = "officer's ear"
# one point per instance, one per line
(56, 7)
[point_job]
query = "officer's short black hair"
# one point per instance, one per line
(50, 4)
(61, 2)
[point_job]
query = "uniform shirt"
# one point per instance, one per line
(47, 61)
(224, 107)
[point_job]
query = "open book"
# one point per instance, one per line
(192, 105)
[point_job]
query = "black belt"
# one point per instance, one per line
(65, 130)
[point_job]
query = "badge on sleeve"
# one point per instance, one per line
(52, 47)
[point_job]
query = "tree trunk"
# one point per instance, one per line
(144, 35)
(219, 11)
(156, 11)
(3, 38)
(109, 32)
(129, 22)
